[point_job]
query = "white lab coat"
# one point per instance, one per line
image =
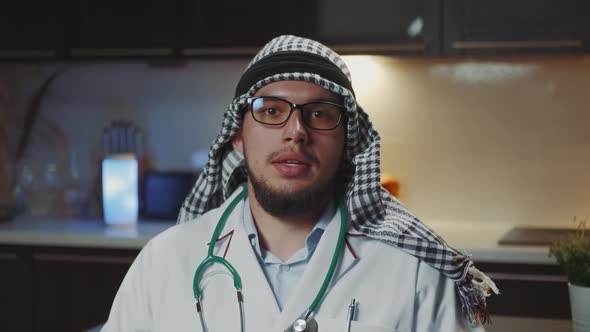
(394, 290)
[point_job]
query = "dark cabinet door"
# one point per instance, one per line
(74, 289)
(15, 290)
(349, 26)
(243, 26)
(123, 27)
(528, 290)
(379, 26)
(31, 29)
(515, 27)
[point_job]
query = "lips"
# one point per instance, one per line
(292, 157)
(292, 164)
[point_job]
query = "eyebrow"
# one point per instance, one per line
(331, 99)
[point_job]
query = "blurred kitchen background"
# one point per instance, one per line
(482, 107)
(487, 140)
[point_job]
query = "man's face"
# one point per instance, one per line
(291, 167)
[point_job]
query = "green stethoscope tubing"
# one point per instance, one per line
(211, 258)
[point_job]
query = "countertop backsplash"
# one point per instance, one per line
(497, 140)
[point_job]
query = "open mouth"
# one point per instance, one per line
(292, 164)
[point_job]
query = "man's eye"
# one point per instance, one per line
(318, 114)
(270, 111)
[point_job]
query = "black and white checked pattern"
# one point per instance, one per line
(372, 210)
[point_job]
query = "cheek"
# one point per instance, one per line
(333, 149)
(256, 142)
(339, 141)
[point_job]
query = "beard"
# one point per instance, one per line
(284, 203)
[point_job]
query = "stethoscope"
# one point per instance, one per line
(305, 322)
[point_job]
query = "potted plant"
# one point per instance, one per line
(573, 255)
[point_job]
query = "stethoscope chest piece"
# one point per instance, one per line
(301, 325)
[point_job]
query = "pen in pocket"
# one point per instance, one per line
(351, 312)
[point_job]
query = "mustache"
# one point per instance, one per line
(311, 158)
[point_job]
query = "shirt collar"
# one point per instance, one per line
(312, 239)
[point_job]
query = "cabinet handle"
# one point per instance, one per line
(8, 257)
(382, 47)
(83, 258)
(467, 45)
(527, 277)
(120, 51)
(42, 53)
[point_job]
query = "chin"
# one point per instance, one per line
(294, 185)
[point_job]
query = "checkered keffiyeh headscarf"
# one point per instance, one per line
(373, 210)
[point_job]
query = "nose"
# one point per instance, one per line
(295, 130)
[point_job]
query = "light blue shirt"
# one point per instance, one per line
(283, 276)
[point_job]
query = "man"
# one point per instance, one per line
(289, 215)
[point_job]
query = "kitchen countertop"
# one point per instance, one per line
(480, 240)
(91, 233)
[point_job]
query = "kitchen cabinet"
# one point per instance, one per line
(379, 26)
(528, 290)
(59, 289)
(135, 28)
(373, 26)
(16, 290)
(241, 27)
(78, 29)
(31, 29)
(122, 28)
(85, 282)
(490, 27)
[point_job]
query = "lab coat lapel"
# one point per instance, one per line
(260, 306)
(311, 281)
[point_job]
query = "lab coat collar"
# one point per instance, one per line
(260, 302)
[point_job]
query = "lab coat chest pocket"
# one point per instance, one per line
(327, 324)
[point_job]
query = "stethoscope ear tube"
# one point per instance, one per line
(210, 260)
(216, 259)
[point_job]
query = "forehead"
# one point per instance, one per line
(297, 92)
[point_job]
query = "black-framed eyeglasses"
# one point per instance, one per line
(274, 111)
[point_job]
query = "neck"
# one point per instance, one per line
(282, 235)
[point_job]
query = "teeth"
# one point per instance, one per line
(292, 162)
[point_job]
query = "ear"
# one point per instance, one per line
(238, 142)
